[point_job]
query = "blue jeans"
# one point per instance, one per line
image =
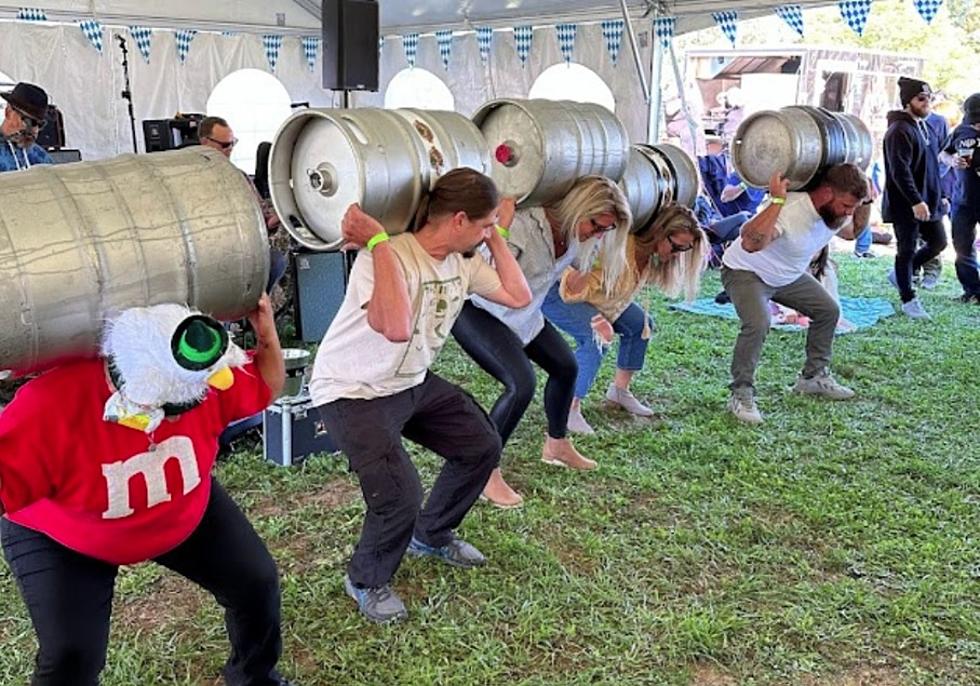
(964, 234)
(862, 240)
(575, 320)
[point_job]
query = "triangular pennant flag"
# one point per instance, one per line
(612, 32)
(728, 23)
(31, 14)
(523, 35)
(272, 44)
(444, 39)
(855, 13)
(484, 41)
(183, 38)
(142, 35)
(566, 39)
(927, 8)
(229, 34)
(663, 27)
(93, 31)
(792, 15)
(410, 43)
(311, 45)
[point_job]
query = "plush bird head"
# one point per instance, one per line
(163, 360)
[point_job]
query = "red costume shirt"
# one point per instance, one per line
(105, 490)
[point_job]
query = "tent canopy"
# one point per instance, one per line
(397, 16)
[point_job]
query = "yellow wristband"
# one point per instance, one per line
(379, 237)
(778, 200)
(503, 232)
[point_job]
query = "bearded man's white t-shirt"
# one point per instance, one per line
(800, 233)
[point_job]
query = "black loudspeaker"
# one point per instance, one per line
(53, 133)
(350, 45)
(321, 283)
(65, 155)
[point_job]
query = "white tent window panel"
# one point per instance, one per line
(254, 103)
(574, 82)
(7, 84)
(418, 88)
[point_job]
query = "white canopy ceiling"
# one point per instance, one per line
(397, 16)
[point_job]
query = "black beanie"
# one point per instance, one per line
(909, 88)
(971, 109)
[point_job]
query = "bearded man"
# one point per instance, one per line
(769, 261)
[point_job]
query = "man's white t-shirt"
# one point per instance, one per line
(800, 234)
(355, 361)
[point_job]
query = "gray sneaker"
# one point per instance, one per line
(742, 404)
(577, 424)
(914, 309)
(822, 385)
(379, 605)
(457, 552)
(627, 401)
(930, 281)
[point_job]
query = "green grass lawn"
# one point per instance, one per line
(836, 544)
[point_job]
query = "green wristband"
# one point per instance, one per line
(379, 237)
(778, 200)
(503, 232)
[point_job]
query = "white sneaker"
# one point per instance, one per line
(742, 404)
(577, 424)
(627, 401)
(822, 385)
(914, 309)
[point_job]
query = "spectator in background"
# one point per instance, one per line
(960, 153)
(23, 118)
(214, 132)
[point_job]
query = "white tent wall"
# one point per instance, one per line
(86, 85)
(473, 83)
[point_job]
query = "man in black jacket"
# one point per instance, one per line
(911, 201)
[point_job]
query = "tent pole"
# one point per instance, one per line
(687, 113)
(634, 48)
(656, 99)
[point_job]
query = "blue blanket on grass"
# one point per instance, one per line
(863, 313)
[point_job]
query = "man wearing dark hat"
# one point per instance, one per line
(960, 153)
(912, 197)
(24, 116)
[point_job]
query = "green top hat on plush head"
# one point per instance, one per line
(198, 342)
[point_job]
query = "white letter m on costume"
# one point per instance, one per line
(151, 466)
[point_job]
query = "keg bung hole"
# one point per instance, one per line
(323, 179)
(506, 153)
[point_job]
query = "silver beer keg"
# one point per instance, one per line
(80, 241)
(541, 147)
(656, 176)
(798, 141)
(323, 160)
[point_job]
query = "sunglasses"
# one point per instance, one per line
(30, 121)
(224, 145)
(599, 228)
(676, 247)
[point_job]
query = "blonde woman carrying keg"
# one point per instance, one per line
(668, 255)
(592, 219)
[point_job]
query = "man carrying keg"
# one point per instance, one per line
(372, 385)
(769, 261)
(912, 197)
(24, 116)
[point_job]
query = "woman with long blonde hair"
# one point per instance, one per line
(589, 223)
(670, 256)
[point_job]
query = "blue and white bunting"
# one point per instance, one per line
(31, 14)
(183, 38)
(566, 40)
(410, 43)
(272, 44)
(927, 8)
(311, 46)
(93, 31)
(855, 13)
(229, 34)
(612, 33)
(484, 41)
(792, 15)
(523, 36)
(142, 36)
(444, 39)
(663, 28)
(728, 23)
